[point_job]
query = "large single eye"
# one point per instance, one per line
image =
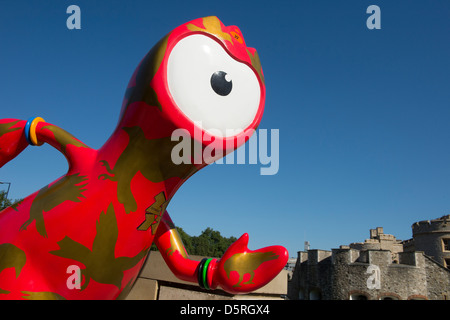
(211, 87)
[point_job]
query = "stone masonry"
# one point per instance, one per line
(381, 267)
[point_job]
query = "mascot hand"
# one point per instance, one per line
(241, 270)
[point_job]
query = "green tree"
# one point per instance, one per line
(5, 202)
(209, 243)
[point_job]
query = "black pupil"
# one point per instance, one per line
(219, 84)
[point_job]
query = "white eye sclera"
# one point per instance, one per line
(212, 88)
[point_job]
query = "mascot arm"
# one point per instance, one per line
(239, 271)
(171, 247)
(16, 135)
(12, 139)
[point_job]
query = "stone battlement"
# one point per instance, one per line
(381, 267)
(379, 241)
(439, 225)
(350, 256)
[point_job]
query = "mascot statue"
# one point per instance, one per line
(201, 82)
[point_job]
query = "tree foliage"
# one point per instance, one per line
(209, 243)
(5, 202)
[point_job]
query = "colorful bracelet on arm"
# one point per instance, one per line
(30, 131)
(202, 275)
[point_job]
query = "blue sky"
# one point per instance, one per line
(363, 115)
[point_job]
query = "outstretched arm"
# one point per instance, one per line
(171, 247)
(240, 270)
(16, 135)
(12, 139)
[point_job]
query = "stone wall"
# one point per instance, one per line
(347, 273)
(438, 280)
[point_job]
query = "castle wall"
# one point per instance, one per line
(438, 280)
(348, 273)
(429, 235)
(397, 280)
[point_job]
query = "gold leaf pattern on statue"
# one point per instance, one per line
(42, 296)
(176, 244)
(154, 213)
(64, 138)
(150, 157)
(145, 72)
(67, 188)
(247, 262)
(212, 25)
(7, 127)
(256, 63)
(11, 257)
(100, 262)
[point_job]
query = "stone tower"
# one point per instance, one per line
(380, 268)
(433, 238)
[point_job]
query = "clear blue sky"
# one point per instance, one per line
(363, 115)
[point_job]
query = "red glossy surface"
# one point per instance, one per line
(103, 215)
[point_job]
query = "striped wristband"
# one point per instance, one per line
(203, 272)
(30, 131)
